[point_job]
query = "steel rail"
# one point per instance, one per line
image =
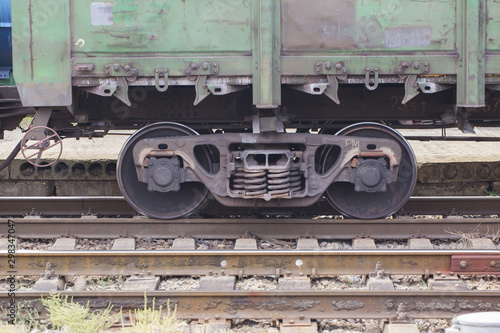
(114, 206)
(226, 228)
(288, 304)
(258, 262)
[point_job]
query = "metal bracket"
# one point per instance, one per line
(158, 74)
(371, 78)
(122, 91)
(431, 87)
(121, 71)
(202, 91)
(411, 88)
(333, 88)
(417, 67)
(103, 90)
(205, 68)
(339, 69)
(224, 89)
(301, 324)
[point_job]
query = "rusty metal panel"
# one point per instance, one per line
(362, 25)
(476, 263)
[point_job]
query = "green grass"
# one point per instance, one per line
(77, 318)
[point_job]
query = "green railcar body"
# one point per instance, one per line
(60, 44)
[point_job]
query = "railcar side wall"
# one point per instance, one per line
(268, 41)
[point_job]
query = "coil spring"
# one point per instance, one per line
(275, 182)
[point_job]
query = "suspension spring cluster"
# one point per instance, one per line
(273, 182)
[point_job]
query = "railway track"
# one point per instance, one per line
(113, 206)
(224, 228)
(296, 302)
(291, 306)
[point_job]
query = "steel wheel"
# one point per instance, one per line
(365, 205)
(159, 205)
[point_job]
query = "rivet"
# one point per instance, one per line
(328, 65)
(127, 67)
(463, 264)
(416, 65)
(215, 64)
(205, 66)
(116, 67)
(493, 263)
(338, 65)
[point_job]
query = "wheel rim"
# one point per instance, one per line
(364, 205)
(159, 205)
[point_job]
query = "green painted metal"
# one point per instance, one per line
(471, 47)
(261, 39)
(42, 52)
(265, 50)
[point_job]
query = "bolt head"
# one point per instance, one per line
(338, 66)
(116, 67)
(127, 68)
(463, 264)
(493, 263)
(328, 65)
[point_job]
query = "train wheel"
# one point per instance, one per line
(365, 205)
(155, 204)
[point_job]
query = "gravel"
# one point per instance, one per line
(94, 244)
(391, 244)
(253, 326)
(23, 283)
(335, 245)
(105, 283)
(349, 325)
(339, 282)
(482, 283)
(214, 244)
(409, 282)
(432, 325)
(257, 283)
(35, 244)
(153, 244)
(179, 283)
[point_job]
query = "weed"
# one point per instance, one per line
(108, 281)
(75, 317)
(492, 193)
(465, 241)
(149, 320)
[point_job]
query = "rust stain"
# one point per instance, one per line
(32, 60)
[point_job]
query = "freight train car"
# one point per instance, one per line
(241, 100)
